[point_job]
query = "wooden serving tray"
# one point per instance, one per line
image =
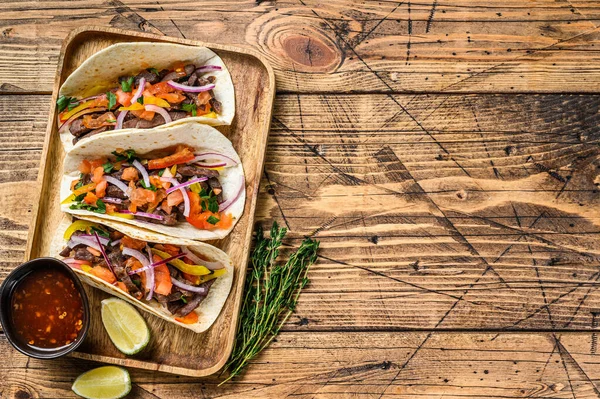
(172, 349)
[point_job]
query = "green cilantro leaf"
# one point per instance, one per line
(140, 100)
(154, 71)
(127, 155)
(112, 99)
(78, 185)
(108, 167)
(161, 172)
(101, 233)
(151, 188)
(66, 102)
(126, 84)
(80, 197)
(183, 299)
(212, 220)
(100, 207)
(213, 205)
(190, 108)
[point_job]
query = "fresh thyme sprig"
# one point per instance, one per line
(271, 291)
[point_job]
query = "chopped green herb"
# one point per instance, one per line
(126, 85)
(108, 167)
(183, 299)
(161, 172)
(80, 197)
(151, 188)
(78, 185)
(213, 205)
(190, 108)
(101, 233)
(127, 155)
(66, 102)
(112, 99)
(140, 100)
(153, 70)
(111, 120)
(100, 207)
(212, 220)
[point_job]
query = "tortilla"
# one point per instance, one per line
(202, 138)
(100, 73)
(208, 310)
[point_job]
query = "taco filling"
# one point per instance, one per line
(174, 276)
(169, 187)
(148, 99)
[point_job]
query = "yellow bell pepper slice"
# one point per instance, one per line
(195, 270)
(212, 115)
(173, 170)
(156, 101)
(128, 216)
(215, 274)
(133, 107)
(79, 191)
(195, 188)
(86, 268)
(80, 107)
(78, 225)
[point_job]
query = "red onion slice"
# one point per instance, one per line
(115, 242)
(143, 171)
(65, 125)
(215, 156)
(120, 120)
(75, 263)
(76, 240)
(190, 89)
(191, 288)
(153, 265)
(207, 68)
(112, 200)
(197, 261)
(149, 276)
(187, 183)
(144, 261)
(139, 91)
(163, 112)
(104, 254)
(103, 240)
(226, 204)
(143, 214)
(217, 165)
(116, 182)
(186, 199)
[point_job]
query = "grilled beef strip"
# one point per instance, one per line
(115, 192)
(193, 170)
(156, 121)
(195, 301)
(77, 128)
(90, 133)
(149, 76)
(118, 263)
(216, 188)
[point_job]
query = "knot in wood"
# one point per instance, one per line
(311, 52)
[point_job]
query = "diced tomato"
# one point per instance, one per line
(191, 278)
(132, 208)
(98, 174)
(133, 264)
(147, 115)
(90, 198)
(100, 101)
(84, 189)
(73, 184)
(110, 208)
(85, 166)
(124, 98)
(101, 188)
(203, 109)
(162, 278)
(93, 251)
(155, 181)
(182, 155)
(121, 285)
(165, 207)
(161, 87)
(203, 98)
(171, 249)
(94, 122)
(175, 198)
(132, 243)
(103, 273)
(97, 162)
(199, 218)
(130, 174)
(141, 196)
(172, 98)
(190, 318)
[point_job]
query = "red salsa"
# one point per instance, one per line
(47, 310)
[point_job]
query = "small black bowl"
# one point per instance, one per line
(6, 292)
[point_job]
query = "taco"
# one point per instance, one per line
(182, 181)
(181, 281)
(141, 86)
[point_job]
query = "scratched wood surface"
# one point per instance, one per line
(446, 154)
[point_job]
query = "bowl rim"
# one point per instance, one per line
(6, 292)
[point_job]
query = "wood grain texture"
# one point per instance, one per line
(341, 46)
(360, 365)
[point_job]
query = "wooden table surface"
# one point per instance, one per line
(445, 152)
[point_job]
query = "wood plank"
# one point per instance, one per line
(360, 365)
(471, 216)
(427, 46)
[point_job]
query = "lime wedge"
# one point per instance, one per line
(108, 382)
(125, 327)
